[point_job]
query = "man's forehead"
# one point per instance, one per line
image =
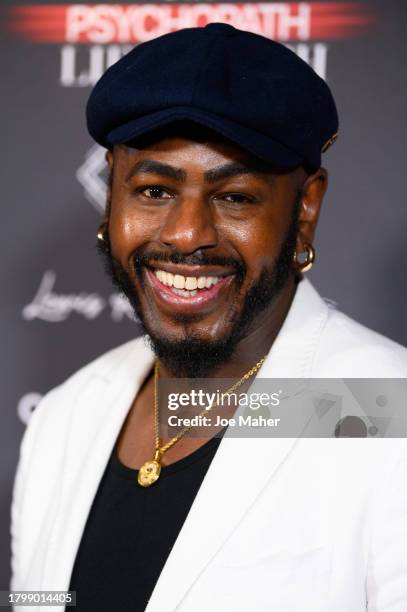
(183, 152)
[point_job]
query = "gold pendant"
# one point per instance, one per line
(149, 473)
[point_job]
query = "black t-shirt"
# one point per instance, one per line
(131, 530)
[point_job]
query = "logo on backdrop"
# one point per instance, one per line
(27, 404)
(92, 176)
(93, 37)
(48, 305)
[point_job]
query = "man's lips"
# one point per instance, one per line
(192, 270)
(200, 299)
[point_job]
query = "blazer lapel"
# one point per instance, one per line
(96, 422)
(231, 485)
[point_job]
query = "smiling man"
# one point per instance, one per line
(201, 239)
(214, 141)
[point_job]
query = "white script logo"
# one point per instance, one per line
(47, 305)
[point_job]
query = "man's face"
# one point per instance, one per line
(202, 238)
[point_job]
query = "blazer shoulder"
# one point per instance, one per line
(358, 351)
(104, 365)
(54, 409)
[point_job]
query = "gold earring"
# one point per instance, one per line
(308, 263)
(101, 235)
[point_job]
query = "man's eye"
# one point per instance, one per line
(237, 198)
(156, 193)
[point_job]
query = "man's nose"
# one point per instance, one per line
(189, 226)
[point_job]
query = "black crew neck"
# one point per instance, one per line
(129, 473)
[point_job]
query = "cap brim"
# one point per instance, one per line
(257, 144)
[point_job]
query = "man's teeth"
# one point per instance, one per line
(186, 285)
(183, 292)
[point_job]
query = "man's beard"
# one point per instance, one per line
(192, 356)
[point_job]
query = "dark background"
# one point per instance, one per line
(49, 224)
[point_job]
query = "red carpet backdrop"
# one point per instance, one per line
(58, 310)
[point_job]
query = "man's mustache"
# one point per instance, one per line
(200, 258)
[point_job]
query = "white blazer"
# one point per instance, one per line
(278, 525)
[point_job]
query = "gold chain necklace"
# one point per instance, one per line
(150, 470)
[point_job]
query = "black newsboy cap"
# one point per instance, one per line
(252, 90)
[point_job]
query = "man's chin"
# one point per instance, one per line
(190, 356)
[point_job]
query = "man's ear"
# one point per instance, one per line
(312, 194)
(109, 160)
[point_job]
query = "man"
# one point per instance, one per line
(214, 141)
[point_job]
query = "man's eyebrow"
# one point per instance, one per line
(150, 166)
(233, 169)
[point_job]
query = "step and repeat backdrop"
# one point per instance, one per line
(58, 310)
